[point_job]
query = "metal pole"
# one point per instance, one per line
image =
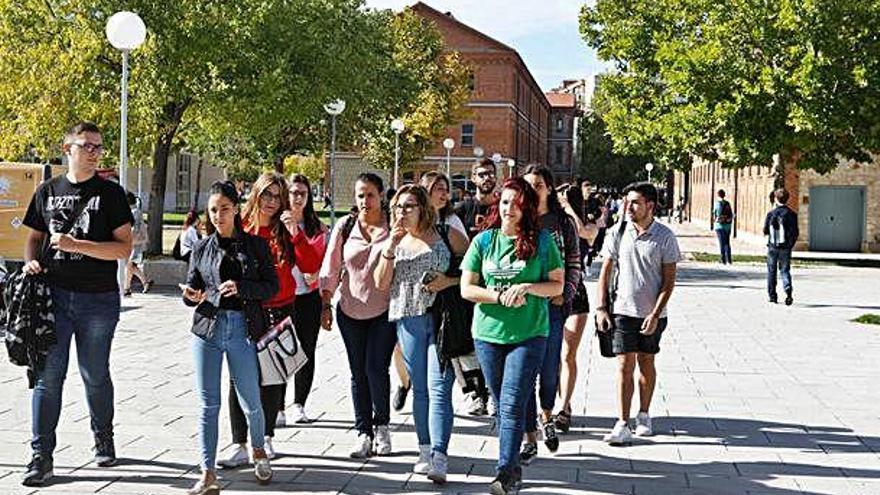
(396, 157)
(448, 172)
(123, 131)
(333, 171)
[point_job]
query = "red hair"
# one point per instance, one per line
(527, 231)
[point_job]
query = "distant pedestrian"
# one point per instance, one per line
(139, 241)
(781, 229)
(645, 253)
(511, 270)
(722, 212)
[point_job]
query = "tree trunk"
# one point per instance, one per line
(172, 115)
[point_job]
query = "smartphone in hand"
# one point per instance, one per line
(428, 277)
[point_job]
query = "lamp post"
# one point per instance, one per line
(496, 159)
(334, 108)
(125, 31)
(397, 126)
(511, 166)
(478, 152)
(648, 167)
(448, 143)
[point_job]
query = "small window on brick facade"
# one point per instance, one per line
(559, 153)
(472, 80)
(467, 134)
(560, 124)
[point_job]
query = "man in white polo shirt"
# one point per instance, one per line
(645, 254)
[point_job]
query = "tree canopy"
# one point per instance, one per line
(741, 80)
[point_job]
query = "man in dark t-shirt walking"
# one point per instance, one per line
(77, 248)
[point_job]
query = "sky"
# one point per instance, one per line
(544, 32)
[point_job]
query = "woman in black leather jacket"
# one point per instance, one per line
(230, 274)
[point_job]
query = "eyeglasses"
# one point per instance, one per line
(406, 208)
(89, 147)
(266, 196)
(484, 174)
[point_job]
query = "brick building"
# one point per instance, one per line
(508, 112)
(560, 145)
(832, 208)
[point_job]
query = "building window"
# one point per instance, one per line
(184, 164)
(559, 153)
(467, 134)
(472, 81)
(560, 124)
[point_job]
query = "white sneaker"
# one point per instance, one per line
(239, 457)
(262, 471)
(280, 420)
(423, 465)
(299, 415)
(620, 435)
(362, 448)
(383, 440)
(644, 426)
(270, 451)
(439, 467)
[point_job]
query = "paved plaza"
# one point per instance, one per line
(752, 398)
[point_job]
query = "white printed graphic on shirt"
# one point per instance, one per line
(60, 209)
(504, 272)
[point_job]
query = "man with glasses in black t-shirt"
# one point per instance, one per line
(80, 225)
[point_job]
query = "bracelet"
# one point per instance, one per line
(388, 257)
(498, 297)
(602, 308)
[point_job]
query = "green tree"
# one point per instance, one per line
(739, 81)
(311, 166)
(599, 162)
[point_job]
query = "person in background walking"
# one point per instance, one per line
(139, 240)
(781, 229)
(722, 212)
(267, 214)
(645, 254)
(510, 271)
(413, 266)
(346, 278)
(230, 274)
(307, 305)
(564, 231)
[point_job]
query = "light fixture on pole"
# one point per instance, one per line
(448, 143)
(648, 167)
(478, 152)
(397, 126)
(125, 31)
(496, 159)
(511, 166)
(334, 108)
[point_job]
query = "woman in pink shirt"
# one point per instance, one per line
(346, 280)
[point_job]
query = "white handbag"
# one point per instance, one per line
(279, 353)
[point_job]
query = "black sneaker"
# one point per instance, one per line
(400, 398)
(528, 454)
(105, 452)
(773, 299)
(550, 438)
(38, 471)
(503, 484)
(788, 299)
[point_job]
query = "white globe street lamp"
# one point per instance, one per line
(397, 126)
(511, 166)
(648, 167)
(478, 152)
(125, 31)
(496, 158)
(448, 143)
(334, 108)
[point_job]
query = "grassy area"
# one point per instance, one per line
(752, 259)
(868, 319)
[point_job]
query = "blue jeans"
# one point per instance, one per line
(369, 345)
(91, 319)
(724, 245)
(510, 371)
(778, 258)
(432, 389)
(231, 338)
(548, 371)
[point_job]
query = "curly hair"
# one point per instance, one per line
(527, 231)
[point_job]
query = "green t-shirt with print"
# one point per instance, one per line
(493, 256)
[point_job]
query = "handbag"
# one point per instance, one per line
(606, 338)
(279, 353)
(452, 313)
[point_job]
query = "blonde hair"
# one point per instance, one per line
(427, 215)
(250, 215)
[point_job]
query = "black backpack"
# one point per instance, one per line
(725, 216)
(453, 314)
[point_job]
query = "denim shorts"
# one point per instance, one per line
(628, 336)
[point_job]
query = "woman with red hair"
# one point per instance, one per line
(510, 271)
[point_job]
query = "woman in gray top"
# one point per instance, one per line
(412, 266)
